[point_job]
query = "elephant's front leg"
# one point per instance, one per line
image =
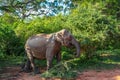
(49, 63)
(49, 57)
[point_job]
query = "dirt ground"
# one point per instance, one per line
(13, 73)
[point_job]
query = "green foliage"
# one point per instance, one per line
(9, 41)
(61, 70)
(93, 29)
(68, 69)
(112, 8)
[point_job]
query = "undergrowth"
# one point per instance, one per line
(70, 68)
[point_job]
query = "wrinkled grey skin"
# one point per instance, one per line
(46, 46)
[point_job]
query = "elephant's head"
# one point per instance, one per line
(67, 39)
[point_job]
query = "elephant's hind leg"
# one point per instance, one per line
(27, 66)
(31, 59)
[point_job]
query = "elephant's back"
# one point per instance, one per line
(38, 41)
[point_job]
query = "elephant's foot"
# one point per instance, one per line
(36, 70)
(26, 68)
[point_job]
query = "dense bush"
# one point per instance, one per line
(112, 8)
(9, 42)
(93, 29)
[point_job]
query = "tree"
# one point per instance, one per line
(30, 8)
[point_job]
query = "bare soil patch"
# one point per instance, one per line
(14, 73)
(100, 75)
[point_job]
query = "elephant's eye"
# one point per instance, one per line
(68, 38)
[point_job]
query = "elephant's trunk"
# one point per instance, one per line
(76, 44)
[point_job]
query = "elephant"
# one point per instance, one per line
(47, 46)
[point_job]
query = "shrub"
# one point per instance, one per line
(9, 42)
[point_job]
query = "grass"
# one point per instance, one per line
(69, 67)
